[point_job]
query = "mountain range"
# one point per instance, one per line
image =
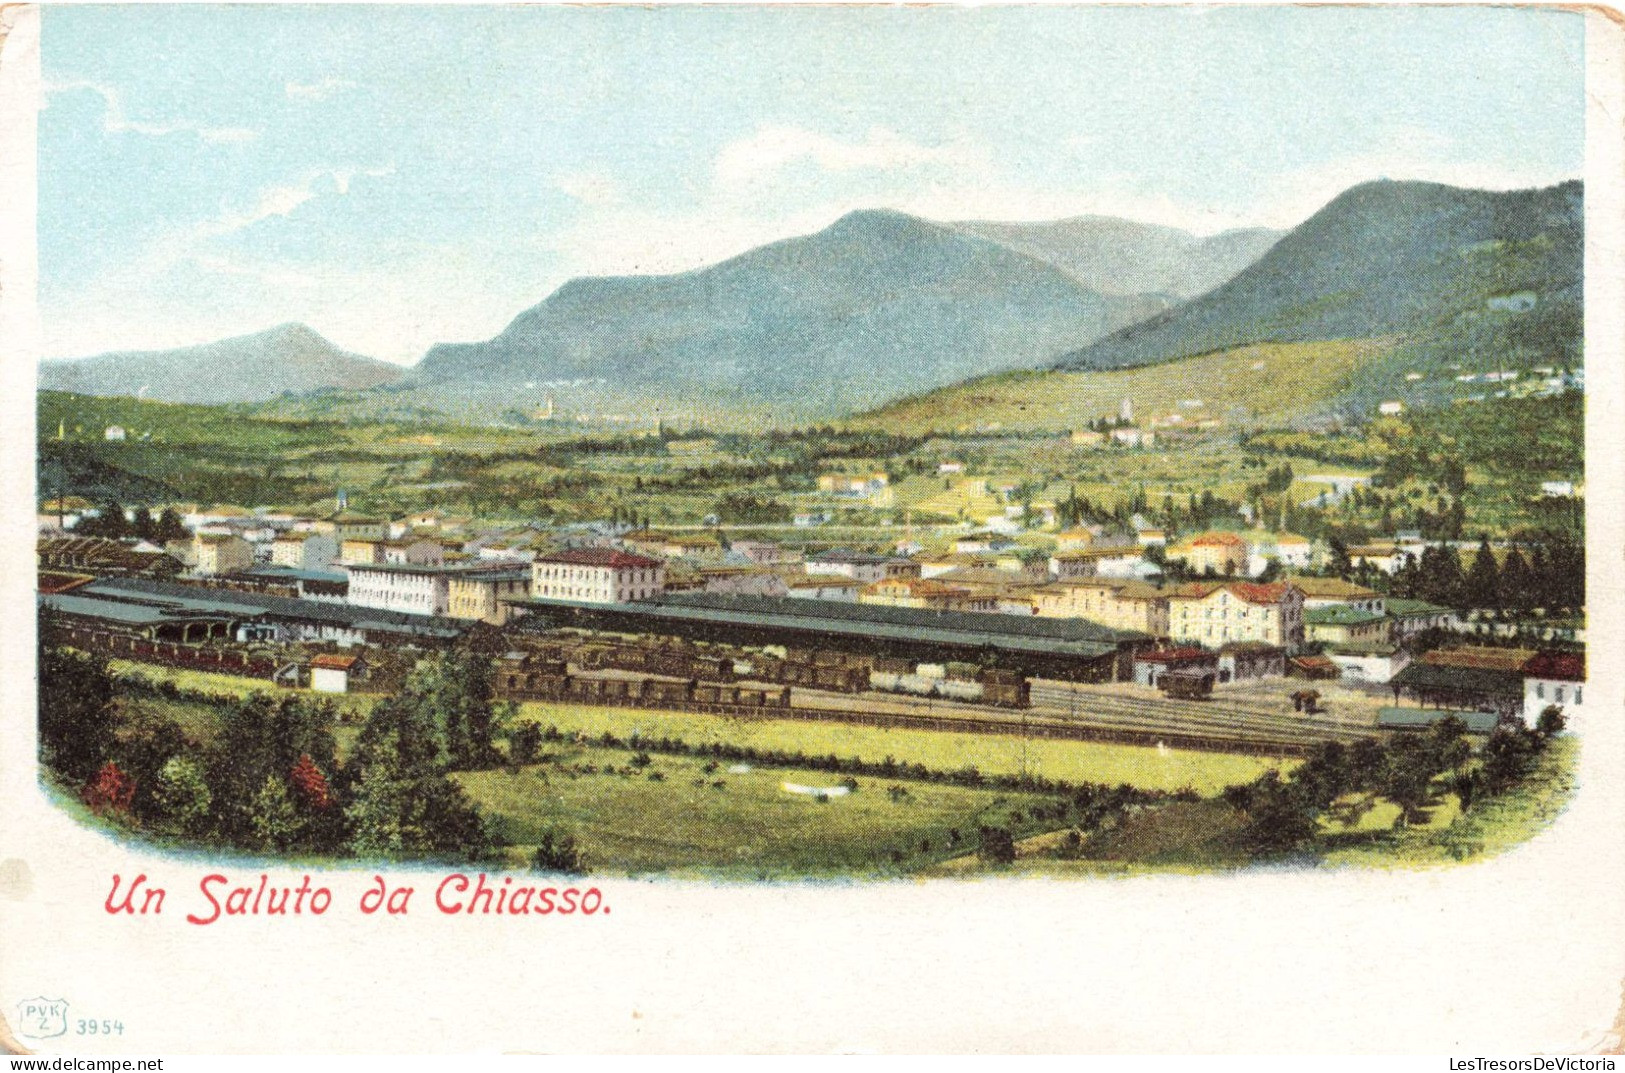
(876, 305)
(881, 305)
(287, 359)
(1448, 274)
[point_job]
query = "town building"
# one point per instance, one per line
(1114, 560)
(741, 580)
(766, 552)
(928, 593)
(1468, 678)
(1344, 625)
(1292, 551)
(1241, 661)
(1078, 538)
(333, 673)
(848, 484)
(1224, 554)
(1324, 592)
(834, 587)
(351, 526)
(1215, 613)
(1411, 617)
(1375, 664)
(483, 594)
(413, 552)
(304, 551)
(1385, 557)
(596, 575)
(861, 566)
(1115, 602)
(361, 550)
(1555, 678)
(221, 553)
(411, 590)
(1150, 666)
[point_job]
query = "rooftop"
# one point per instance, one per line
(1333, 588)
(1049, 636)
(1559, 666)
(1341, 615)
(169, 598)
(619, 560)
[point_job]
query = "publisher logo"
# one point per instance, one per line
(42, 1018)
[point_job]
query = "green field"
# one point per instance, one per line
(1191, 837)
(750, 825)
(1099, 762)
(1143, 766)
(1490, 826)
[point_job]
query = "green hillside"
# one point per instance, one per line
(1264, 385)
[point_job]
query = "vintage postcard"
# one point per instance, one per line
(811, 528)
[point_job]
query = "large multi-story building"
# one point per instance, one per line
(1120, 604)
(1216, 613)
(304, 551)
(414, 590)
(596, 575)
(480, 592)
(221, 553)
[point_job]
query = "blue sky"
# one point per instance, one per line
(398, 176)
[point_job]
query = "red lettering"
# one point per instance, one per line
(456, 880)
(207, 893)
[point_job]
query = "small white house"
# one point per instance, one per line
(1391, 408)
(335, 674)
(114, 434)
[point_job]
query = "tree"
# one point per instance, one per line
(142, 525)
(1407, 778)
(997, 846)
(1507, 755)
(1516, 583)
(169, 526)
(143, 747)
(1364, 764)
(1339, 562)
(182, 796)
(75, 710)
(1447, 740)
(272, 817)
(556, 851)
(405, 814)
(110, 791)
(1551, 721)
(1483, 584)
(524, 742)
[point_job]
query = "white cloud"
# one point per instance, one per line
(319, 90)
(116, 121)
(589, 187)
(772, 149)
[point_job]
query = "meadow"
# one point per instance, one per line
(687, 816)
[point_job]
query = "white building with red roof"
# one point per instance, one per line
(1555, 678)
(597, 576)
(1217, 613)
